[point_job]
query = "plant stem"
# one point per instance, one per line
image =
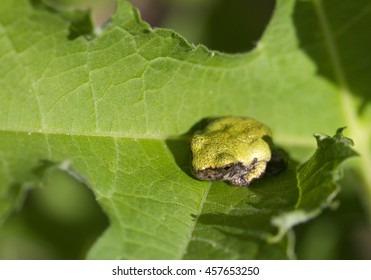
(360, 133)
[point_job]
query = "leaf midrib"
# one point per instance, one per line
(287, 140)
(116, 135)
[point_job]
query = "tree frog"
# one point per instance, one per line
(233, 149)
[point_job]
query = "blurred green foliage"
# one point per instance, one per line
(59, 220)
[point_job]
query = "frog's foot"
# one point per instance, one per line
(240, 182)
(254, 171)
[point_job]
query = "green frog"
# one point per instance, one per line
(234, 149)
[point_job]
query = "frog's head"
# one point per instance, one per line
(209, 152)
(212, 160)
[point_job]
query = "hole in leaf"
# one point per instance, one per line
(60, 220)
(236, 26)
(224, 25)
(78, 16)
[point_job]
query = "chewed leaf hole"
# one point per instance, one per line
(237, 26)
(226, 26)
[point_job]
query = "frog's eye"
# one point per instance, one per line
(224, 160)
(198, 142)
(227, 167)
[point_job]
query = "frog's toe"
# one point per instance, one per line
(240, 182)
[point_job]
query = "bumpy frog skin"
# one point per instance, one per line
(233, 149)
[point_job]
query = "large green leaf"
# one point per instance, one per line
(116, 111)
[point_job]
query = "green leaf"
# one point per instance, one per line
(116, 110)
(316, 181)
